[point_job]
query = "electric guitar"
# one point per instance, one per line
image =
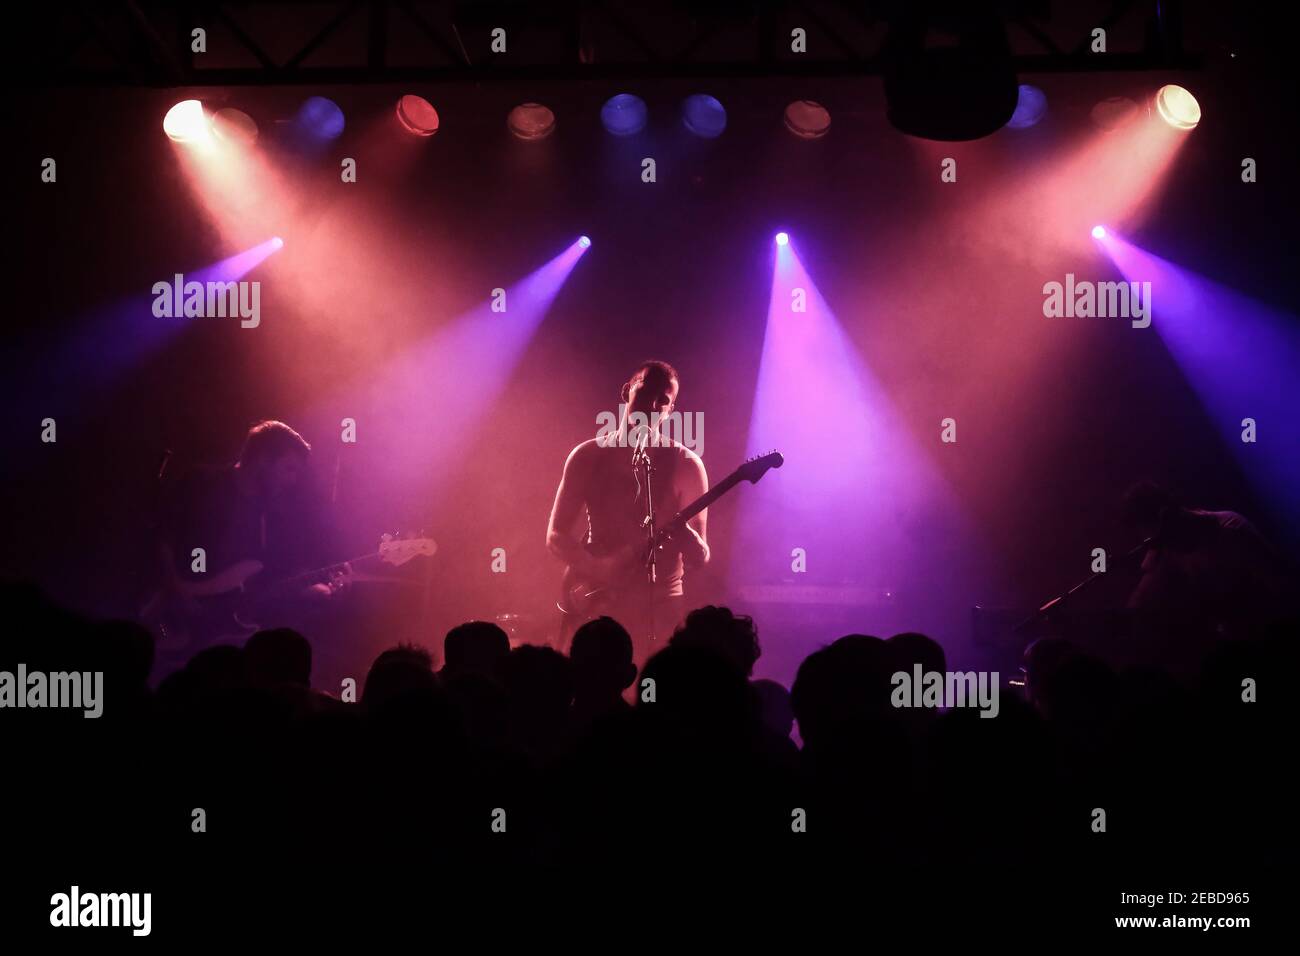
(231, 604)
(582, 599)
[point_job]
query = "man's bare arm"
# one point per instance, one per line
(570, 498)
(693, 481)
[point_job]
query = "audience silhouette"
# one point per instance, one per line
(585, 761)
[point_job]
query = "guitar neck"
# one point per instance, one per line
(330, 569)
(699, 504)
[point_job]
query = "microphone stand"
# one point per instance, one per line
(1059, 601)
(641, 460)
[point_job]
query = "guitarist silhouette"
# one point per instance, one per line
(597, 523)
(257, 510)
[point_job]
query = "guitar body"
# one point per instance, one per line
(233, 603)
(579, 598)
(586, 598)
(577, 604)
(582, 599)
(200, 614)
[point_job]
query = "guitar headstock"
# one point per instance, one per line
(397, 551)
(758, 466)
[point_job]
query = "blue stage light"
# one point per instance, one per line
(703, 115)
(1031, 106)
(321, 118)
(623, 114)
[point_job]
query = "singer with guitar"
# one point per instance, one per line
(598, 522)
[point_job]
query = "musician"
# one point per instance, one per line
(597, 522)
(256, 509)
(1209, 564)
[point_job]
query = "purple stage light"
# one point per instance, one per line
(704, 115)
(110, 342)
(851, 468)
(1099, 232)
(782, 238)
(1239, 355)
(1031, 104)
(320, 118)
(237, 266)
(480, 350)
(584, 241)
(623, 114)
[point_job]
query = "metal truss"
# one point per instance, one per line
(143, 43)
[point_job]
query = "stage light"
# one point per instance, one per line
(234, 126)
(417, 115)
(531, 121)
(1099, 232)
(1031, 105)
(623, 114)
(782, 238)
(807, 120)
(703, 115)
(277, 242)
(584, 241)
(1177, 107)
(320, 118)
(187, 123)
(1114, 112)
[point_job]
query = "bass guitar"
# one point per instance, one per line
(232, 604)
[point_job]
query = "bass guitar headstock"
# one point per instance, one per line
(758, 466)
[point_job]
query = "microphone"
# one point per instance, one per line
(643, 439)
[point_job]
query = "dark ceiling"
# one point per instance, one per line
(137, 42)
